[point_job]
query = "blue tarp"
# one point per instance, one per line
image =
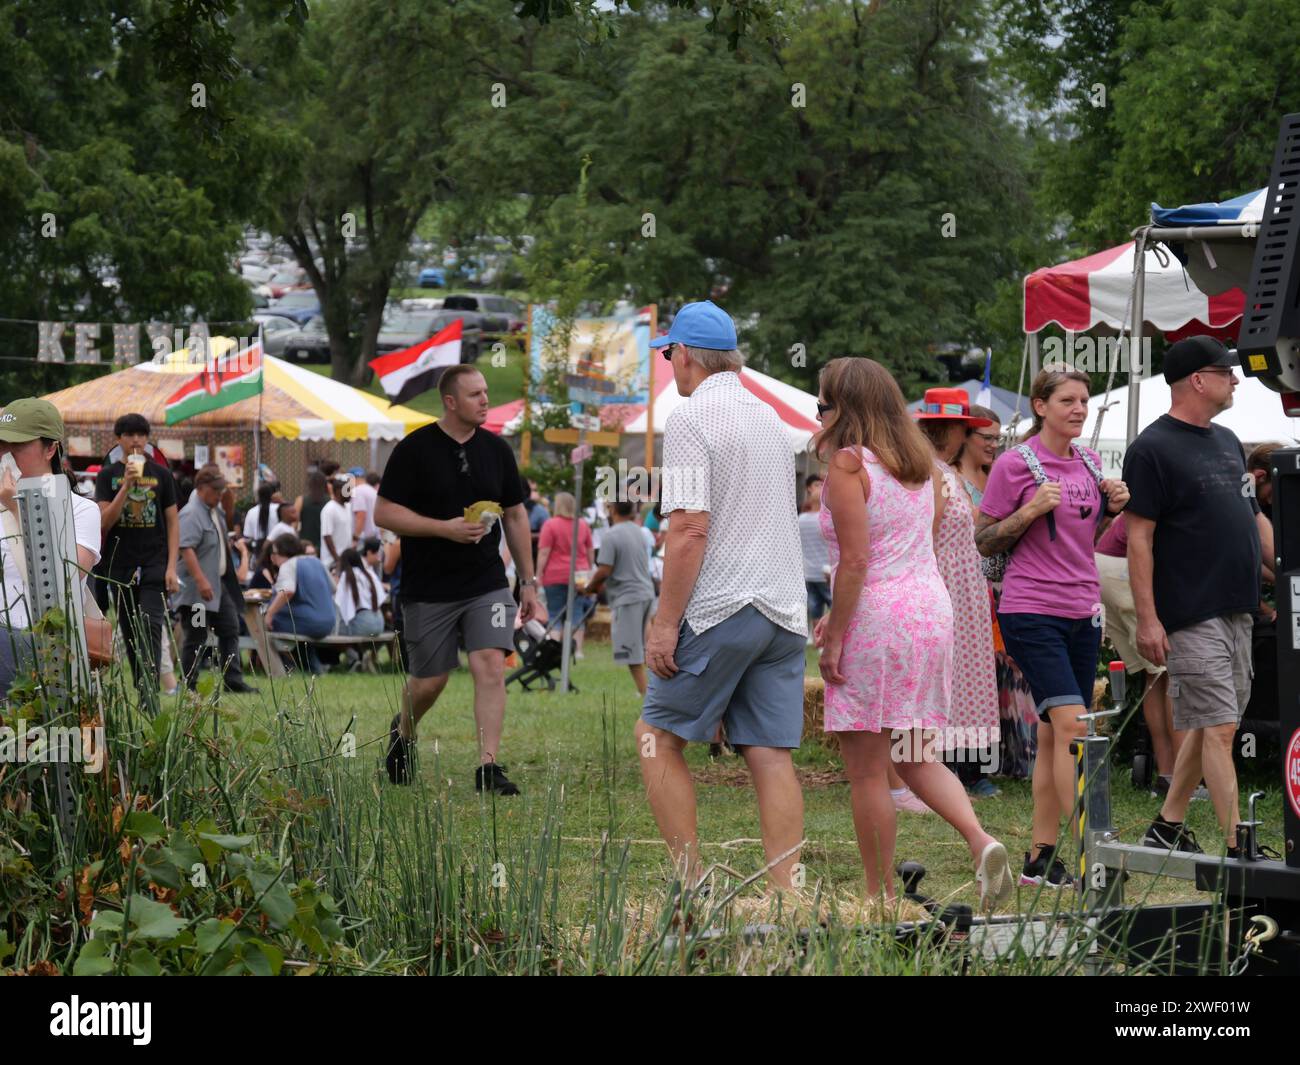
(1245, 208)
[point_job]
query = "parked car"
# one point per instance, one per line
(301, 306)
(309, 343)
(402, 328)
(433, 277)
(287, 278)
(499, 315)
(275, 327)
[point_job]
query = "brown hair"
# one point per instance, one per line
(934, 430)
(447, 382)
(1047, 382)
(1259, 456)
(868, 410)
(977, 412)
(286, 545)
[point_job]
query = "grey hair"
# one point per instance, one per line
(713, 360)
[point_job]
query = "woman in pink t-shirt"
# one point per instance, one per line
(554, 545)
(1051, 596)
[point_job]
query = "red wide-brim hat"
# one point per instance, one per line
(949, 405)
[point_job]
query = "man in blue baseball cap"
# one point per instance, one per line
(727, 645)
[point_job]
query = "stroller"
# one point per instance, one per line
(541, 647)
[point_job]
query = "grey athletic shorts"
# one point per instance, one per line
(627, 631)
(436, 631)
(1210, 670)
(745, 671)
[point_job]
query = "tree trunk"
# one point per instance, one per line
(375, 301)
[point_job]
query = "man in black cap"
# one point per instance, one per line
(1195, 543)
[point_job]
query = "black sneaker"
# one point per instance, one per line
(240, 687)
(1171, 837)
(1047, 870)
(492, 777)
(398, 754)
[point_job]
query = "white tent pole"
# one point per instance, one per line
(1136, 330)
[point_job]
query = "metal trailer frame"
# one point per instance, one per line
(53, 582)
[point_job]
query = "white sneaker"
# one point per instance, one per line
(993, 875)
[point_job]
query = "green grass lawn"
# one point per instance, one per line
(583, 743)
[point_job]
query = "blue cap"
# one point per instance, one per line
(701, 325)
(357, 471)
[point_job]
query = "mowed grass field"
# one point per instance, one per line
(577, 751)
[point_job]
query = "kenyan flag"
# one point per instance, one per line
(220, 383)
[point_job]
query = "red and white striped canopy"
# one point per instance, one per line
(796, 408)
(1095, 291)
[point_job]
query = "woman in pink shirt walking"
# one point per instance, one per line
(554, 545)
(1047, 503)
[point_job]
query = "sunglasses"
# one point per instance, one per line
(1225, 371)
(667, 351)
(464, 461)
(822, 408)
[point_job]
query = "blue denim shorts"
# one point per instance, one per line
(819, 598)
(1058, 656)
(745, 672)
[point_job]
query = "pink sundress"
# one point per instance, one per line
(897, 652)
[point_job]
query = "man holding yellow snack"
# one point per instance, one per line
(450, 491)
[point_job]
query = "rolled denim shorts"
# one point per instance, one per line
(1058, 656)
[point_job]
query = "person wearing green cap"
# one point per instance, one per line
(31, 445)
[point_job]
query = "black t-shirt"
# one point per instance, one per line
(1192, 483)
(140, 536)
(427, 474)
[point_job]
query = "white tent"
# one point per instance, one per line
(1255, 417)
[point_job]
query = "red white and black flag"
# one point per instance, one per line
(406, 373)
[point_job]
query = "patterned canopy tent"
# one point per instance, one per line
(296, 404)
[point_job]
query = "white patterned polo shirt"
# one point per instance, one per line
(727, 453)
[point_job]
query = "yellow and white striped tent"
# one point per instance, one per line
(296, 404)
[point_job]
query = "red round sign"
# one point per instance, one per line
(1291, 772)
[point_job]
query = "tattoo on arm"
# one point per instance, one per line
(992, 537)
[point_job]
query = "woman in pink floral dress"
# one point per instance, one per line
(887, 644)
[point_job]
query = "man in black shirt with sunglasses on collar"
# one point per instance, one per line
(454, 588)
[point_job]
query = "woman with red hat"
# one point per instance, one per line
(972, 740)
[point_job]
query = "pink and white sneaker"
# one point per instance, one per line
(905, 799)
